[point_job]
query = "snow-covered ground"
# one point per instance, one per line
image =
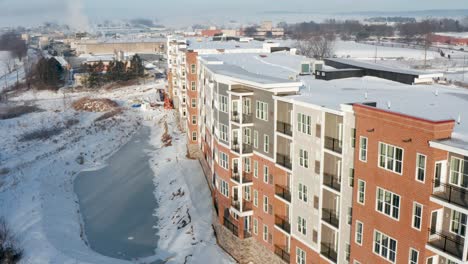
(36, 179)
(365, 51)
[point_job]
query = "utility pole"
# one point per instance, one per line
(375, 54)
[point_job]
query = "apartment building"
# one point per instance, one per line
(359, 170)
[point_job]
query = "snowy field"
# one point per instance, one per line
(36, 179)
(366, 51)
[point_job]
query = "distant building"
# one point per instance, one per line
(460, 39)
(108, 46)
(266, 30)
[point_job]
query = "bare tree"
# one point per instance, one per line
(9, 251)
(317, 47)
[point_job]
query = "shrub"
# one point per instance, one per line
(10, 252)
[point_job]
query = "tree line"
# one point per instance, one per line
(11, 41)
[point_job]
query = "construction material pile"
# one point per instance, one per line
(94, 105)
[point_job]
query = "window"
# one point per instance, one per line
(347, 251)
(194, 120)
(255, 172)
(265, 174)
(458, 172)
(265, 233)
(303, 192)
(255, 198)
(193, 103)
(266, 143)
(351, 177)
(451, 262)
(417, 215)
(303, 123)
(224, 188)
(194, 136)
(247, 136)
(385, 246)
(223, 160)
(223, 104)
(350, 215)
(255, 226)
(193, 69)
(247, 165)
(458, 223)
(223, 132)
(420, 167)
(353, 137)
(193, 86)
(361, 192)
(300, 256)
(304, 158)
(359, 231)
(363, 149)
(262, 111)
(388, 203)
(301, 225)
(265, 204)
(255, 139)
(247, 193)
(390, 158)
(413, 256)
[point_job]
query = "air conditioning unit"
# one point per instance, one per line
(305, 68)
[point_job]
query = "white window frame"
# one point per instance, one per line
(255, 139)
(194, 119)
(223, 160)
(266, 143)
(224, 188)
(265, 204)
(302, 225)
(359, 234)
(223, 132)
(363, 148)
(247, 165)
(459, 172)
(385, 203)
(255, 198)
(459, 223)
(255, 226)
(415, 216)
(419, 168)
(301, 256)
(255, 169)
(410, 256)
(390, 160)
(194, 136)
(304, 123)
(247, 192)
(193, 102)
(304, 158)
(303, 195)
(193, 85)
(266, 175)
(265, 233)
(261, 110)
(381, 240)
(361, 192)
(223, 104)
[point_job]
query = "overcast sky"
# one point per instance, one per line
(27, 12)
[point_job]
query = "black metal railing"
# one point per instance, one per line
(328, 251)
(246, 177)
(448, 243)
(332, 181)
(284, 128)
(283, 224)
(235, 175)
(283, 254)
(284, 160)
(333, 144)
(247, 118)
(235, 117)
(235, 146)
(246, 148)
(247, 234)
(229, 225)
(331, 217)
(283, 192)
(236, 204)
(450, 193)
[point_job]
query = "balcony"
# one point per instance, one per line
(246, 118)
(283, 224)
(283, 192)
(229, 225)
(332, 181)
(450, 193)
(246, 148)
(328, 251)
(334, 144)
(284, 160)
(246, 206)
(247, 234)
(235, 146)
(330, 217)
(284, 128)
(235, 175)
(450, 244)
(282, 253)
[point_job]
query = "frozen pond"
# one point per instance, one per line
(117, 202)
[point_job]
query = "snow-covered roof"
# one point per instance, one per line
(61, 60)
(208, 43)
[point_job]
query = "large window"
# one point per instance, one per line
(304, 158)
(359, 230)
(363, 149)
(388, 203)
(300, 256)
(413, 256)
(224, 188)
(420, 167)
(458, 223)
(459, 172)
(223, 160)
(417, 215)
(391, 158)
(223, 132)
(385, 246)
(223, 103)
(301, 225)
(304, 123)
(262, 111)
(303, 192)
(361, 192)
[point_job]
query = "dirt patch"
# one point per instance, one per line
(109, 114)
(9, 112)
(94, 105)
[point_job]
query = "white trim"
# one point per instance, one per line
(409, 255)
(383, 203)
(362, 232)
(417, 167)
(413, 216)
(442, 146)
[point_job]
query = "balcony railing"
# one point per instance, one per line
(450, 244)
(283, 224)
(283, 192)
(450, 193)
(246, 118)
(235, 146)
(229, 225)
(282, 253)
(331, 217)
(246, 205)
(235, 175)
(247, 234)
(235, 117)
(284, 160)
(246, 148)
(332, 181)
(284, 128)
(328, 251)
(333, 144)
